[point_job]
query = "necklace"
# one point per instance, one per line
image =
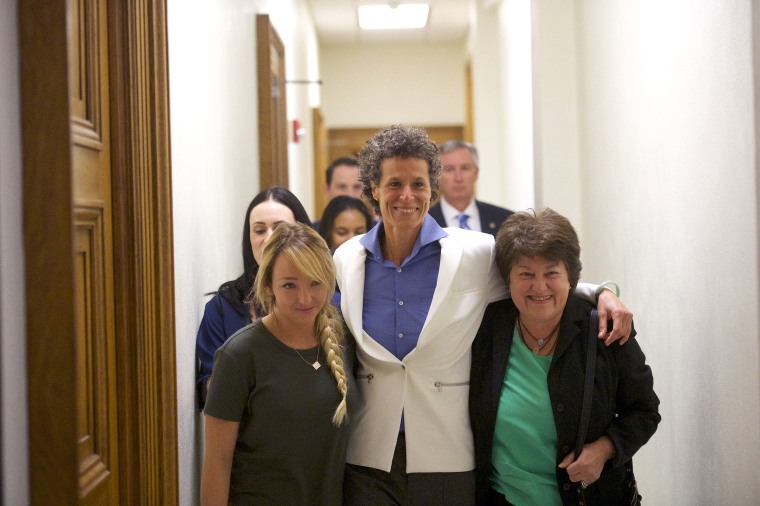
(316, 365)
(540, 343)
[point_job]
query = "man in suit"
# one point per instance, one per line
(457, 206)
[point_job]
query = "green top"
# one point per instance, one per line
(525, 439)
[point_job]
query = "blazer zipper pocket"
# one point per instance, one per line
(367, 377)
(440, 384)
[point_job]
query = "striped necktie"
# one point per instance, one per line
(463, 221)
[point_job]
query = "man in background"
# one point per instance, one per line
(457, 206)
(342, 178)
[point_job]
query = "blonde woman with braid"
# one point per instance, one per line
(276, 413)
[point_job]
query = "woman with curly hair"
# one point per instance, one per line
(276, 413)
(413, 295)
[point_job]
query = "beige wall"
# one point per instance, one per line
(644, 133)
(670, 209)
(370, 85)
(14, 433)
(215, 169)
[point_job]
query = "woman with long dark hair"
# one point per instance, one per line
(228, 310)
(343, 218)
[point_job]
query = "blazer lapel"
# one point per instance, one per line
(451, 256)
(352, 303)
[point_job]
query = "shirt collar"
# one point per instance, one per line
(451, 213)
(429, 233)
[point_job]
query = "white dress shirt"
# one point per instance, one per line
(451, 215)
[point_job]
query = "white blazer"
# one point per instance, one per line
(431, 384)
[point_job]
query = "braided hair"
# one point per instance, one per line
(309, 253)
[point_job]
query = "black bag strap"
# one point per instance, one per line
(588, 388)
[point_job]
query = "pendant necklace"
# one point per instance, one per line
(316, 365)
(540, 343)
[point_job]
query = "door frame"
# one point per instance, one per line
(273, 122)
(143, 253)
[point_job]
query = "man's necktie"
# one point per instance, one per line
(463, 221)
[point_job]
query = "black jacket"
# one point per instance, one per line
(624, 407)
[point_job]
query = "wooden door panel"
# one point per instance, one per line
(97, 428)
(87, 50)
(93, 254)
(321, 161)
(97, 215)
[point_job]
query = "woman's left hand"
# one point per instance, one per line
(612, 308)
(590, 463)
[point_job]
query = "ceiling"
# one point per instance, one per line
(337, 22)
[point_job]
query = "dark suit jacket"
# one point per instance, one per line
(624, 407)
(491, 216)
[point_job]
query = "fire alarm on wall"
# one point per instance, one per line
(298, 131)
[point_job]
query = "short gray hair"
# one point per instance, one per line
(453, 145)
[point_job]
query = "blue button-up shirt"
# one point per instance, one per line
(397, 297)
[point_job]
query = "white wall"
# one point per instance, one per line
(215, 169)
(555, 108)
(668, 143)
(500, 51)
(293, 22)
(372, 85)
(644, 134)
(14, 431)
(489, 123)
(667, 147)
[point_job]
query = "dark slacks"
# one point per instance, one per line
(368, 486)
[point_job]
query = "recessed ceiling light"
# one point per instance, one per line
(385, 17)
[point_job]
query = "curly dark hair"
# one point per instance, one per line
(402, 142)
(544, 233)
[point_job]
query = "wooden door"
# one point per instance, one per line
(321, 160)
(94, 346)
(273, 128)
(97, 237)
(469, 108)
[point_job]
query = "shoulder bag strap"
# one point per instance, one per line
(588, 388)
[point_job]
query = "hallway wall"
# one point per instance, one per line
(378, 85)
(14, 447)
(669, 208)
(668, 139)
(500, 49)
(215, 168)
